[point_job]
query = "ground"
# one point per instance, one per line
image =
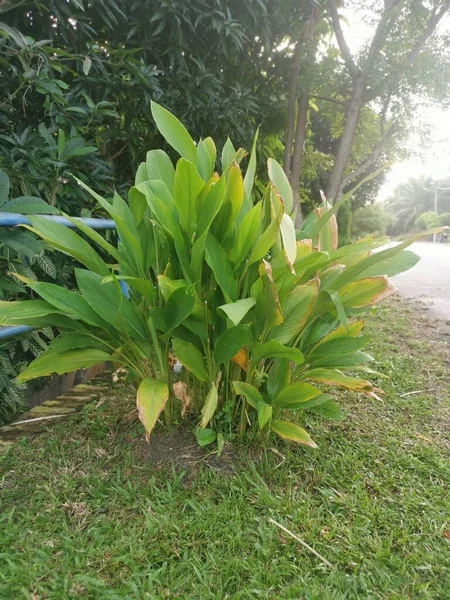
(90, 512)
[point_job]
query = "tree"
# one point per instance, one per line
(370, 220)
(386, 71)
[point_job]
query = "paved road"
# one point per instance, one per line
(429, 280)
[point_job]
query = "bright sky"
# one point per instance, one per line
(431, 158)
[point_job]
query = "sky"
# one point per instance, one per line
(431, 158)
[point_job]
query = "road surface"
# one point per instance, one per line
(429, 280)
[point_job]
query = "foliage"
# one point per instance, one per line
(374, 503)
(427, 220)
(21, 253)
(253, 315)
(370, 220)
(444, 219)
(344, 222)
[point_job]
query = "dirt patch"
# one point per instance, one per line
(178, 448)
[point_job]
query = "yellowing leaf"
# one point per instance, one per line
(366, 292)
(151, 399)
(240, 358)
(291, 431)
(209, 408)
(297, 307)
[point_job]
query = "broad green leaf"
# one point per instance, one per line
(403, 261)
(246, 235)
(269, 305)
(273, 349)
(144, 287)
(343, 361)
(52, 361)
(211, 206)
(335, 377)
(151, 399)
(108, 302)
(291, 431)
(221, 267)
(236, 311)
(366, 292)
(338, 347)
(73, 340)
(351, 331)
(230, 342)
(206, 158)
(68, 302)
(297, 306)
(265, 241)
(293, 395)
(159, 189)
(205, 437)
(279, 376)
(174, 132)
(234, 195)
(316, 401)
(329, 275)
(179, 306)
(141, 174)
(187, 186)
(68, 242)
(329, 410)
(95, 237)
(250, 392)
(228, 153)
(278, 177)
(19, 312)
(29, 205)
(168, 286)
(210, 406)
(287, 230)
(160, 167)
(264, 414)
(191, 358)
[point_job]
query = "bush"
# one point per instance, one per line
(370, 220)
(427, 220)
(444, 219)
(259, 321)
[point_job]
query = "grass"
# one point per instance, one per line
(86, 515)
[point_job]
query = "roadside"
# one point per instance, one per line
(87, 514)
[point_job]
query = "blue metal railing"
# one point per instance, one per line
(14, 219)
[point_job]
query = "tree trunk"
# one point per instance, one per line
(300, 136)
(346, 141)
(290, 124)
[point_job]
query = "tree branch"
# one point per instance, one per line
(427, 33)
(343, 47)
(380, 35)
(328, 99)
(290, 123)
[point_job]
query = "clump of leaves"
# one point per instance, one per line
(264, 324)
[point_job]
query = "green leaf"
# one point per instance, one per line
(269, 303)
(21, 312)
(230, 342)
(221, 267)
(246, 236)
(187, 186)
(179, 306)
(287, 230)
(144, 287)
(95, 237)
(236, 311)
(68, 242)
(389, 267)
(160, 167)
(264, 414)
(191, 358)
(174, 132)
(29, 205)
(329, 410)
(297, 306)
(338, 347)
(206, 158)
(250, 392)
(211, 206)
(366, 292)
(210, 406)
(290, 431)
(4, 188)
(251, 170)
(278, 177)
(293, 395)
(228, 152)
(72, 340)
(151, 399)
(265, 241)
(68, 302)
(52, 361)
(205, 437)
(110, 304)
(274, 349)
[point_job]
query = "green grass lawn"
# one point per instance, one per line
(86, 514)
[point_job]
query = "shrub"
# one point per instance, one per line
(259, 320)
(370, 220)
(427, 220)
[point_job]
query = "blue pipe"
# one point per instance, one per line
(7, 332)
(14, 219)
